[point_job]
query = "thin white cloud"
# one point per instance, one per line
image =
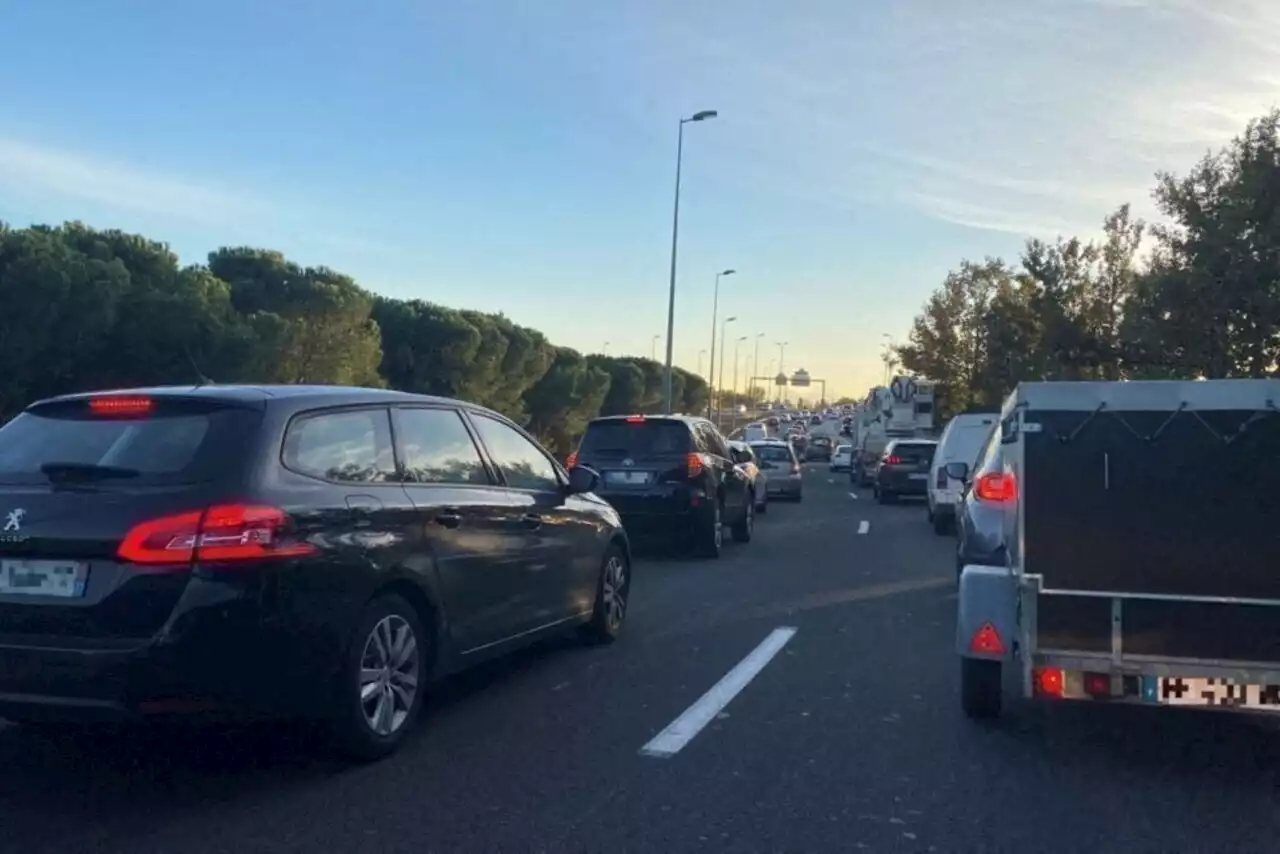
(30, 168)
(1038, 114)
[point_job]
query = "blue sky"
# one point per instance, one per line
(518, 156)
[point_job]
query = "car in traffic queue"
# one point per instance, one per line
(980, 513)
(867, 456)
(294, 550)
(904, 470)
(746, 460)
(842, 457)
(672, 478)
(819, 448)
(960, 442)
(778, 461)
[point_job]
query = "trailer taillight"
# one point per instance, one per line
(893, 461)
(1049, 681)
(996, 487)
(1097, 685)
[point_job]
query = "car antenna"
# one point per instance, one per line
(203, 380)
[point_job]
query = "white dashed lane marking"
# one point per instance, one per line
(683, 729)
(864, 526)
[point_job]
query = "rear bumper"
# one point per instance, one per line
(788, 487)
(218, 655)
(903, 486)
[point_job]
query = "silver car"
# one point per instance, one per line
(777, 460)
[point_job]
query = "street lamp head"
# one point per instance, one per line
(729, 272)
(703, 115)
(744, 337)
(730, 319)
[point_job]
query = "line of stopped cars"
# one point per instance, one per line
(325, 552)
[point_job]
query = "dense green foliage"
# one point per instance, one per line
(1195, 296)
(94, 309)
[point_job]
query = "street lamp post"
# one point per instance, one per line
(737, 345)
(700, 116)
(782, 363)
(889, 342)
(701, 353)
(715, 308)
(720, 382)
(653, 348)
(606, 347)
(755, 363)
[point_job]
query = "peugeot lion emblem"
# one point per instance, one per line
(13, 522)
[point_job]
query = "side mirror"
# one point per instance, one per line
(958, 471)
(583, 479)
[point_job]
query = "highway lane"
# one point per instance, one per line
(849, 738)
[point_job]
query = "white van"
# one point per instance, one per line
(755, 432)
(961, 441)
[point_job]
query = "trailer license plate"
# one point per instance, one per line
(1189, 691)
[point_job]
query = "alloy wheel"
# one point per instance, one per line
(389, 669)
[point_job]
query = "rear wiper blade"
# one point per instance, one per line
(85, 471)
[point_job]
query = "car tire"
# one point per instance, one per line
(613, 590)
(746, 526)
(763, 506)
(380, 645)
(941, 525)
(884, 497)
(981, 692)
(710, 535)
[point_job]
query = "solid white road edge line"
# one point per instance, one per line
(853, 495)
(864, 526)
(682, 730)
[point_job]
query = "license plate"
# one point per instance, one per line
(919, 477)
(627, 478)
(62, 578)
(1187, 691)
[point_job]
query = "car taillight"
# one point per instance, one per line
(571, 460)
(893, 461)
(695, 464)
(997, 487)
(225, 532)
(121, 404)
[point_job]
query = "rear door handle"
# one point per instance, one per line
(363, 504)
(531, 520)
(449, 518)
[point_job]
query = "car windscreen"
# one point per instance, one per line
(772, 453)
(916, 452)
(164, 446)
(649, 438)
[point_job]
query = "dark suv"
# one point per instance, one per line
(295, 550)
(904, 469)
(672, 477)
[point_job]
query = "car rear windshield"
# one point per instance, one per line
(772, 453)
(635, 438)
(170, 444)
(914, 453)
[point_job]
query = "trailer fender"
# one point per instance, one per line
(987, 605)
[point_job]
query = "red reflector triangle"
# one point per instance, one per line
(987, 641)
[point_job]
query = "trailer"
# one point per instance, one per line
(1141, 532)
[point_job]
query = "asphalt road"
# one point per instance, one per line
(850, 738)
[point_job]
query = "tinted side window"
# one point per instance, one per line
(436, 448)
(714, 441)
(523, 463)
(990, 450)
(352, 445)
